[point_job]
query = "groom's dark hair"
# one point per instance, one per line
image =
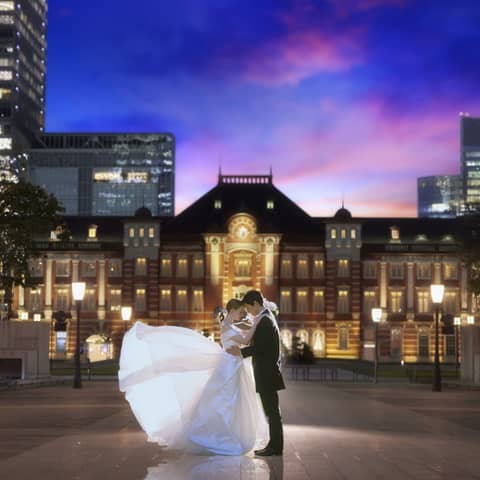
(253, 296)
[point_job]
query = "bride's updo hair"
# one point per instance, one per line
(233, 304)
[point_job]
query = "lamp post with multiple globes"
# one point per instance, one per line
(78, 292)
(437, 291)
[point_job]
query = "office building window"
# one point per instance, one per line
(182, 301)
(115, 299)
(165, 300)
(140, 300)
(318, 301)
(302, 300)
(343, 303)
(285, 300)
(343, 268)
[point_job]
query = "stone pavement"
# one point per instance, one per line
(342, 431)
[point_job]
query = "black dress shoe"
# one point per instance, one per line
(267, 452)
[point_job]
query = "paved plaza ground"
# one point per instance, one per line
(340, 431)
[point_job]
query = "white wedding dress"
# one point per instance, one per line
(187, 393)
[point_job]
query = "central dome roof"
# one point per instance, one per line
(342, 215)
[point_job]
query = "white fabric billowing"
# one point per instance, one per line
(189, 394)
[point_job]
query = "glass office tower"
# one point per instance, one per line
(23, 46)
(439, 196)
(470, 161)
(106, 174)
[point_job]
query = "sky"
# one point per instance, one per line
(342, 99)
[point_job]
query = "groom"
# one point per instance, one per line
(265, 352)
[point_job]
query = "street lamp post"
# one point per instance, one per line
(78, 292)
(457, 322)
(437, 292)
(376, 317)
(126, 315)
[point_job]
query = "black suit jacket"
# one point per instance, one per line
(265, 352)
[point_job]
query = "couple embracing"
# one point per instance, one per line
(189, 393)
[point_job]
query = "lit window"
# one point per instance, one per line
(302, 301)
(197, 300)
(165, 300)
(343, 338)
(7, 6)
(141, 232)
(396, 270)
(450, 271)
(318, 341)
(182, 267)
(115, 299)
(89, 268)
(243, 267)
(5, 143)
(286, 267)
(166, 270)
(343, 233)
(424, 344)
(287, 338)
(89, 302)
(318, 301)
(343, 305)
(137, 177)
(5, 75)
(369, 269)
(369, 301)
(302, 267)
(396, 301)
(114, 268)
(423, 301)
(198, 268)
(217, 204)
(140, 300)
(343, 268)
(62, 299)
(394, 233)
(317, 268)
(92, 232)
(151, 232)
(62, 268)
(141, 266)
(131, 232)
(333, 233)
(424, 271)
(449, 304)
(285, 301)
(181, 300)
(270, 204)
(353, 233)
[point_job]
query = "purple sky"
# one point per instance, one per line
(340, 97)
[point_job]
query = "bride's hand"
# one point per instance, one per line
(234, 350)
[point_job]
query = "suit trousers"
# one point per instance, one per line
(272, 411)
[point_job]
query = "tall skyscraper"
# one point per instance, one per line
(106, 174)
(23, 46)
(470, 161)
(439, 196)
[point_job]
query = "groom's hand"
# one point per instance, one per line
(234, 350)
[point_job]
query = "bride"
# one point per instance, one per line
(187, 393)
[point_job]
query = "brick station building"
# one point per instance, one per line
(324, 273)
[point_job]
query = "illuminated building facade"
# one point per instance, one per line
(439, 196)
(470, 161)
(106, 174)
(23, 47)
(325, 274)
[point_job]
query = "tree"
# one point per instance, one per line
(26, 212)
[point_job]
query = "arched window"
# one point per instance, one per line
(302, 335)
(318, 341)
(287, 338)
